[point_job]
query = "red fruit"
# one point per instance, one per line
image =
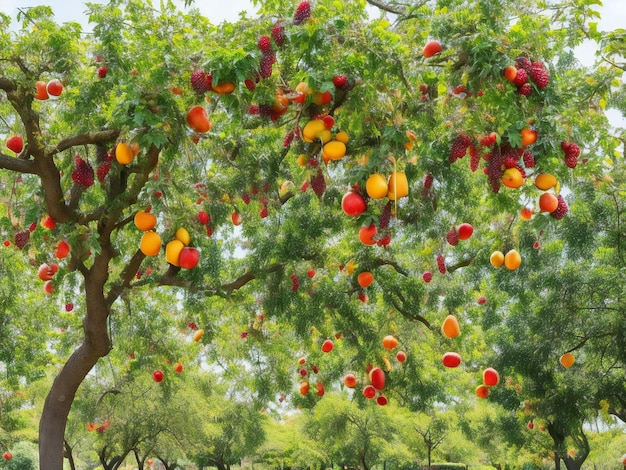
(382, 400)
(302, 361)
(329, 122)
(295, 282)
(62, 249)
(482, 391)
(369, 391)
(526, 89)
(328, 346)
(15, 144)
(69, 307)
(441, 264)
(459, 148)
(311, 273)
(340, 80)
(465, 231)
(491, 378)
(189, 257)
(451, 359)
(278, 34)
(350, 380)
(198, 120)
(520, 78)
(481, 300)
(54, 87)
(303, 372)
(48, 287)
(266, 64)
(203, 217)
(48, 222)
(427, 276)
(198, 82)
(21, 238)
(432, 48)
(7, 455)
(102, 171)
(250, 85)
(302, 13)
(377, 378)
(367, 234)
(264, 43)
(320, 389)
(178, 367)
(157, 375)
(353, 204)
(452, 237)
(539, 75)
(102, 71)
(83, 174)
(45, 272)
(401, 356)
(531, 425)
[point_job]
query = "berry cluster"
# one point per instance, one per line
(572, 152)
(503, 157)
(561, 209)
(295, 283)
(21, 238)
(526, 71)
(318, 183)
(200, 81)
(459, 148)
(302, 13)
(83, 173)
(441, 264)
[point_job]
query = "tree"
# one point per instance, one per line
(277, 93)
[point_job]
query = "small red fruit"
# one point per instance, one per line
(350, 380)
(369, 391)
(15, 144)
(102, 71)
(157, 375)
(62, 249)
(48, 223)
(481, 300)
(401, 356)
(491, 378)
(451, 359)
(178, 367)
(382, 400)
(69, 307)
(7, 455)
(328, 346)
(432, 48)
(203, 217)
(465, 231)
(427, 276)
(377, 378)
(482, 391)
(340, 80)
(48, 287)
(189, 257)
(54, 87)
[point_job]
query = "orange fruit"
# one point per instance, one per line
(398, 185)
(342, 136)
(545, 181)
(42, 92)
(548, 202)
(450, 327)
(512, 260)
(376, 186)
(312, 130)
(224, 88)
(198, 120)
(496, 259)
(529, 137)
(124, 154)
(510, 73)
(512, 178)
(172, 252)
(526, 213)
(390, 342)
(145, 221)
(482, 391)
(365, 278)
(334, 150)
(567, 360)
(150, 243)
(366, 234)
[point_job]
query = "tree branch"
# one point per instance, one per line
(386, 7)
(17, 164)
(90, 138)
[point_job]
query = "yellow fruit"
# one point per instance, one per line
(124, 153)
(172, 252)
(312, 130)
(334, 150)
(376, 186)
(496, 259)
(183, 236)
(398, 185)
(198, 334)
(545, 181)
(512, 178)
(150, 244)
(342, 137)
(512, 260)
(325, 136)
(145, 221)
(302, 160)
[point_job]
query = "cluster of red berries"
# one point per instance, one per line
(441, 264)
(295, 283)
(572, 152)
(83, 174)
(318, 183)
(526, 71)
(201, 82)
(302, 13)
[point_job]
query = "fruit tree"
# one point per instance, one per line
(319, 176)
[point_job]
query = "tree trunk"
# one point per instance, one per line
(59, 400)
